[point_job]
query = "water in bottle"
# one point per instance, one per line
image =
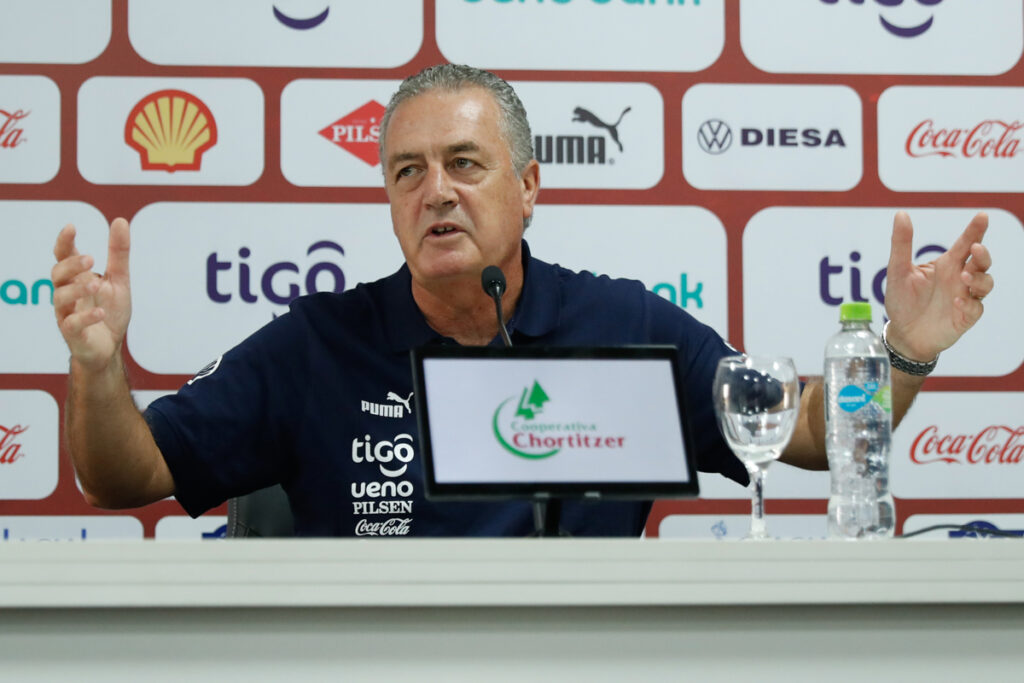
(858, 428)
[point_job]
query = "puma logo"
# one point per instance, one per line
(586, 116)
(392, 396)
(388, 410)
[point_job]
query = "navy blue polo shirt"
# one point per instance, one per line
(307, 399)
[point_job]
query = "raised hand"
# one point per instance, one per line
(92, 310)
(932, 305)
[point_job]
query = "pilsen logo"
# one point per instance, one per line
(991, 138)
(10, 449)
(11, 133)
(170, 129)
(519, 432)
(993, 445)
(358, 132)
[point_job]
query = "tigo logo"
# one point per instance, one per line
(301, 24)
(911, 31)
(882, 36)
(358, 132)
(170, 129)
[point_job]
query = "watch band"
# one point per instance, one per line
(904, 364)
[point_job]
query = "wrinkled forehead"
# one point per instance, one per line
(442, 116)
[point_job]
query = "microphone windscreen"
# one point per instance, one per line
(493, 281)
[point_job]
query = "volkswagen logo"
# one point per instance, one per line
(714, 136)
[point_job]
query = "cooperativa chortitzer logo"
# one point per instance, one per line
(519, 431)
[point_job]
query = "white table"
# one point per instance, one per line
(484, 610)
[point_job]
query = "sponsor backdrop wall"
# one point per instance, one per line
(742, 158)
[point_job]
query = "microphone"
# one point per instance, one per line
(493, 282)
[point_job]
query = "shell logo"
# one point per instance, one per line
(170, 129)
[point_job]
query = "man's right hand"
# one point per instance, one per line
(92, 310)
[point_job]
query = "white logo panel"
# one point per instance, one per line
(70, 528)
(28, 445)
(29, 129)
(55, 31)
(937, 139)
(735, 527)
(960, 445)
(582, 35)
(237, 266)
(184, 528)
(791, 296)
(852, 36)
(679, 252)
(772, 137)
(31, 342)
(329, 132)
(283, 33)
(170, 131)
(596, 135)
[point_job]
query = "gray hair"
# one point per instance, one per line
(453, 77)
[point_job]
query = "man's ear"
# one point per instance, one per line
(530, 179)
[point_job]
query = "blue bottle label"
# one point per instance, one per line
(852, 397)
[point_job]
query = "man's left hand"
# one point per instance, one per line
(931, 305)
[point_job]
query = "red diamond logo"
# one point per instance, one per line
(358, 131)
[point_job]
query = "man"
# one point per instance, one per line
(283, 406)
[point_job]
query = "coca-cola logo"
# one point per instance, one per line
(993, 445)
(10, 449)
(396, 526)
(991, 138)
(12, 134)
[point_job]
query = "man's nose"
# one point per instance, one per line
(440, 191)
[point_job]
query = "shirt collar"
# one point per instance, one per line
(535, 315)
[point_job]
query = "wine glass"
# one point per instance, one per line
(757, 399)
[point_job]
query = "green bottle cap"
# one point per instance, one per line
(855, 310)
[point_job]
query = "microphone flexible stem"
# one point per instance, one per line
(501, 321)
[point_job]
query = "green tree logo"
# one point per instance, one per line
(532, 401)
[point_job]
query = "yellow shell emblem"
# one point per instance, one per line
(170, 129)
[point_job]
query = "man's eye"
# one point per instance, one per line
(405, 171)
(463, 163)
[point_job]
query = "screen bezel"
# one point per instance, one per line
(547, 490)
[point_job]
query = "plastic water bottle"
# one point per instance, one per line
(858, 428)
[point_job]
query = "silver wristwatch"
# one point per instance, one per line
(904, 364)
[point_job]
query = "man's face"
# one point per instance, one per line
(457, 203)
